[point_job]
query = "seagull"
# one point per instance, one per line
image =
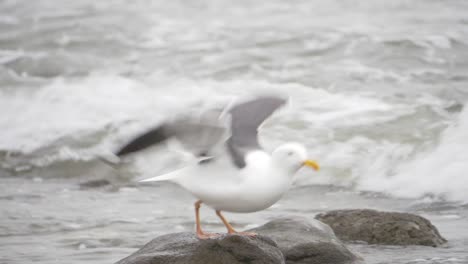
(229, 171)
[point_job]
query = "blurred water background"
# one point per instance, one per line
(378, 95)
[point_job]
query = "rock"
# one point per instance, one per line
(286, 240)
(186, 248)
(94, 184)
(389, 228)
(307, 242)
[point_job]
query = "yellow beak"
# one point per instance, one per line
(312, 164)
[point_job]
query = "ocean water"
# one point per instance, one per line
(378, 93)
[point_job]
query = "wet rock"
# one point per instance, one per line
(307, 242)
(389, 228)
(94, 184)
(286, 240)
(186, 248)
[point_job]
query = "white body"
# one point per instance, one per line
(219, 185)
(257, 186)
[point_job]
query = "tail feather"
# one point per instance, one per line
(171, 176)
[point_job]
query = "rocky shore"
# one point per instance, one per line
(293, 240)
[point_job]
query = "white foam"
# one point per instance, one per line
(70, 108)
(75, 109)
(441, 171)
(401, 168)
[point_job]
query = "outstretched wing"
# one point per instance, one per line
(245, 120)
(197, 134)
(202, 134)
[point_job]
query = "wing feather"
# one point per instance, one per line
(246, 118)
(197, 134)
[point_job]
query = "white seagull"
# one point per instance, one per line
(230, 172)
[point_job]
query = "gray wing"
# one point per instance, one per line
(245, 120)
(198, 134)
(152, 137)
(202, 134)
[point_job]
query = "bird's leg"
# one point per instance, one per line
(200, 233)
(230, 228)
(226, 223)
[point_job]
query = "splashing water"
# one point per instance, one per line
(440, 171)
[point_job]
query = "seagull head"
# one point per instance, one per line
(293, 156)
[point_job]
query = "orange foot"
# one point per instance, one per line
(207, 235)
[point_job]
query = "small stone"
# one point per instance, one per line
(94, 184)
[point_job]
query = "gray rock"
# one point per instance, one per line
(389, 228)
(285, 240)
(95, 184)
(307, 242)
(186, 248)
